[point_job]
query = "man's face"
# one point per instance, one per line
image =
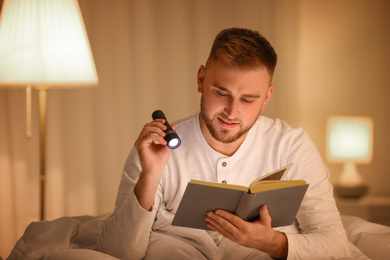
(232, 99)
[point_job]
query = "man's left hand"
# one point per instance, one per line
(258, 234)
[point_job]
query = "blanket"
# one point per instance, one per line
(76, 238)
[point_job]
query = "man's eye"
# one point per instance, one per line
(222, 94)
(247, 100)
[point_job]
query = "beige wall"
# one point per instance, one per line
(343, 69)
(333, 60)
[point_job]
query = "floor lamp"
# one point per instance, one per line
(44, 45)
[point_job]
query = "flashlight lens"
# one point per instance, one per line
(174, 143)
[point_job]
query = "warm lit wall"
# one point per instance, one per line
(333, 59)
(343, 69)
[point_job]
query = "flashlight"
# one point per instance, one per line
(171, 136)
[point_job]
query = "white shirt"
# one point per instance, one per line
(270, 144)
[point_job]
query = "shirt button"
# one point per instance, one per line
(224, 182)
(224, 164)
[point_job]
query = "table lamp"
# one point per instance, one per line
(350, 141)
(44, 45)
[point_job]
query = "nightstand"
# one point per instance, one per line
(373, 209)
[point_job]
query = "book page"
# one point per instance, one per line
(275, 175)
(221, 185)
(272, 185)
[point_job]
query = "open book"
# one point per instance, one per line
(282, 197)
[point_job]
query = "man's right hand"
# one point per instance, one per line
(154, 154)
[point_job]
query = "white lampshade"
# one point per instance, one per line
(43, 43)
(350, 139)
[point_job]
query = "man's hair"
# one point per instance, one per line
(243, 48)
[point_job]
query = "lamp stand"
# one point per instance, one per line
(350, 183)
(42, 149)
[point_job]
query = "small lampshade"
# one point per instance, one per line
(43, 43)
(350, 139)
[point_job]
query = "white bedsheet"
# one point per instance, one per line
(372, 239)
(75, 238)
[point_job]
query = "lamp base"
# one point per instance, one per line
(350, 192)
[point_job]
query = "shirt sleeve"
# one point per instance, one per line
(126, 232)
(322, 235)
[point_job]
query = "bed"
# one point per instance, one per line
(75, 238)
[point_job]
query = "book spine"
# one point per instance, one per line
(244, 205)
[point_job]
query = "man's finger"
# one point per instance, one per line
(265, 218)
(231, 218)
(220, 223)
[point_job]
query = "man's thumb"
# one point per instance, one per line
(265, 218)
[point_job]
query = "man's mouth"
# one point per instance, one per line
(227, 124)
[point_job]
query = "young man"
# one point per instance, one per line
(228, 141)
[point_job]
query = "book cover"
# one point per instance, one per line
(283, 198)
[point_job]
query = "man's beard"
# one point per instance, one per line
(222, 135)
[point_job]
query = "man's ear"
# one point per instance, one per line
(200, 78)
(268, 95)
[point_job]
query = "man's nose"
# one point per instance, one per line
(232, 108)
